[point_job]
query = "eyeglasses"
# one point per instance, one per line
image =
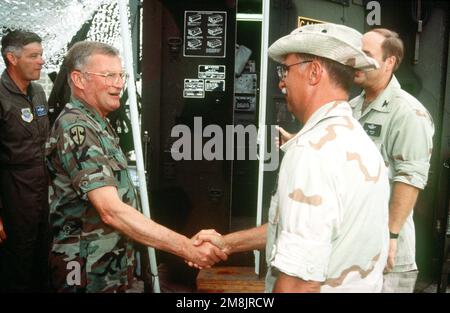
(283, 69)
(111, 79)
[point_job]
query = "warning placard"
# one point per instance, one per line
(205, 34)
(194, 88)
(302, 21)
(214, 85)
(211, 71)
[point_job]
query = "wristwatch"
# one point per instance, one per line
(393, 235)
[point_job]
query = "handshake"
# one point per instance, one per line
(208, 248)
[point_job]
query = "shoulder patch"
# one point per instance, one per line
(78, 134)
(40, 110)
(27, 116)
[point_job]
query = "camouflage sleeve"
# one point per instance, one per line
(84, 159)
(411, 146)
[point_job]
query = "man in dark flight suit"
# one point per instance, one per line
(24, 127)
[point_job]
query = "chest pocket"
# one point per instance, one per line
(20, 129)
(378, 142)
(25, 124)
(116, 160)
(118, 164)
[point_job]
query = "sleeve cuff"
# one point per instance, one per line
(301, 258)
(86, 181)
(413, 173)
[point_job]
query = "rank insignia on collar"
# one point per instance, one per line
(78, 134)
(385, 103)
(27, 116)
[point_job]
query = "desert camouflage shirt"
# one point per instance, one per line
(328, 221)
(83, 154)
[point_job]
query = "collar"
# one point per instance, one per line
(12, 87)
(331, 109)
(88, 110)
(382, 103)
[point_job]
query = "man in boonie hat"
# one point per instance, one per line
(328, 221)
(330, 227)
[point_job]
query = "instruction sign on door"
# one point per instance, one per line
(205, 34)
(211, 71)
(194, 88)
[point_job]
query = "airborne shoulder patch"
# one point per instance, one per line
(78, 134)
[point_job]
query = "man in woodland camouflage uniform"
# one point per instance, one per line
(92, 199)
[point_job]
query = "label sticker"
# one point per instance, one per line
(214, 85)
(194, 88)
(211, 71)
(205, 34)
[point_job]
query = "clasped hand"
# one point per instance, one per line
(210, 247)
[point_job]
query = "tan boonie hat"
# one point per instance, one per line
(336, 42)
